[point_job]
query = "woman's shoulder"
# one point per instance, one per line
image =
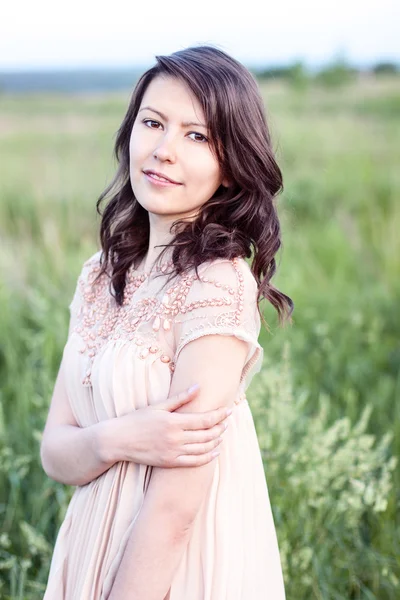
(235, 270)
(225, 281)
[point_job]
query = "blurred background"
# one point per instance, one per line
(326, 404)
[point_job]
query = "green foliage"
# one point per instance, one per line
(386, 68)
(295, 74)
(273, 73)
(328, 423)
(298, 77)
(389, 106)
(336, 74)
(330, 483)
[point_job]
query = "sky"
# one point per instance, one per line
(45, 34)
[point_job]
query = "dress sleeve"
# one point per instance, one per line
(223, 300)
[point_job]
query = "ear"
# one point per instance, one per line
(225, 182)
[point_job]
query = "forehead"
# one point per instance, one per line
(174, 98)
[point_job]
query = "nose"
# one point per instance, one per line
(165, 149)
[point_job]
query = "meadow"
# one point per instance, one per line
(326, 404)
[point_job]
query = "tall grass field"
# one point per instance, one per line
(326, 403)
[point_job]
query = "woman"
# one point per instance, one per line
(196, 175)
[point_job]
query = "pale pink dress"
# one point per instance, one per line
(118, 359)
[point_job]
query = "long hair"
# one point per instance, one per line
(238, 220)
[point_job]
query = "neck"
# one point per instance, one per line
(160, 235)
(150, 260)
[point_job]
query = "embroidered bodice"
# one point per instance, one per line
(160, 320)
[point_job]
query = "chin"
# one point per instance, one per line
(157, 208)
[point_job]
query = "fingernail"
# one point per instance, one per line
(214, 454)
(193, 388)
(229, 411)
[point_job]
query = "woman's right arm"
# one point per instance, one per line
(154, 435)
(69, 453)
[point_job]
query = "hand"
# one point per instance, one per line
(157, 436)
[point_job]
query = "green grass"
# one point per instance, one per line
(332, 474)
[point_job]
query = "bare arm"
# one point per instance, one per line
(71, 454)
(174, 496)
(76, 455)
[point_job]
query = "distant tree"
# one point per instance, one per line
(298, 76)
(386, 68)
(273, 72)
(336, 74)
(295, 73)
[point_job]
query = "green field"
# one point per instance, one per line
(326, 405)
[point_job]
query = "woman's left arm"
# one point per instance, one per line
(174, 495)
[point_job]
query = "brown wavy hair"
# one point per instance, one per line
(238, 220)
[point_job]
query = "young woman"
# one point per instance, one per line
(155, 514)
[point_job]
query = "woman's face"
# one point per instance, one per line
(165, 144)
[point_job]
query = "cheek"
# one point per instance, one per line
(134, 148)
(203, 185)
(206, 173)
(138, 143)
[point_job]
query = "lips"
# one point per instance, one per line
(151, 172)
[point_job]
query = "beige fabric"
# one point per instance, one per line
(121, 358)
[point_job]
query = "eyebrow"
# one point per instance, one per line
(184, 123)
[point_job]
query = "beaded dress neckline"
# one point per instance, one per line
(157, 268)
(99, 319)
(144, 277)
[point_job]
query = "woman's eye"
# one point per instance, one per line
(204, 139)
(150, 121)
(201, 135)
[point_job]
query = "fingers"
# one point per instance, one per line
(203, 447)
(179, 399)
(201, 436)
(201, 453)
(189, 460)
(205, 420)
